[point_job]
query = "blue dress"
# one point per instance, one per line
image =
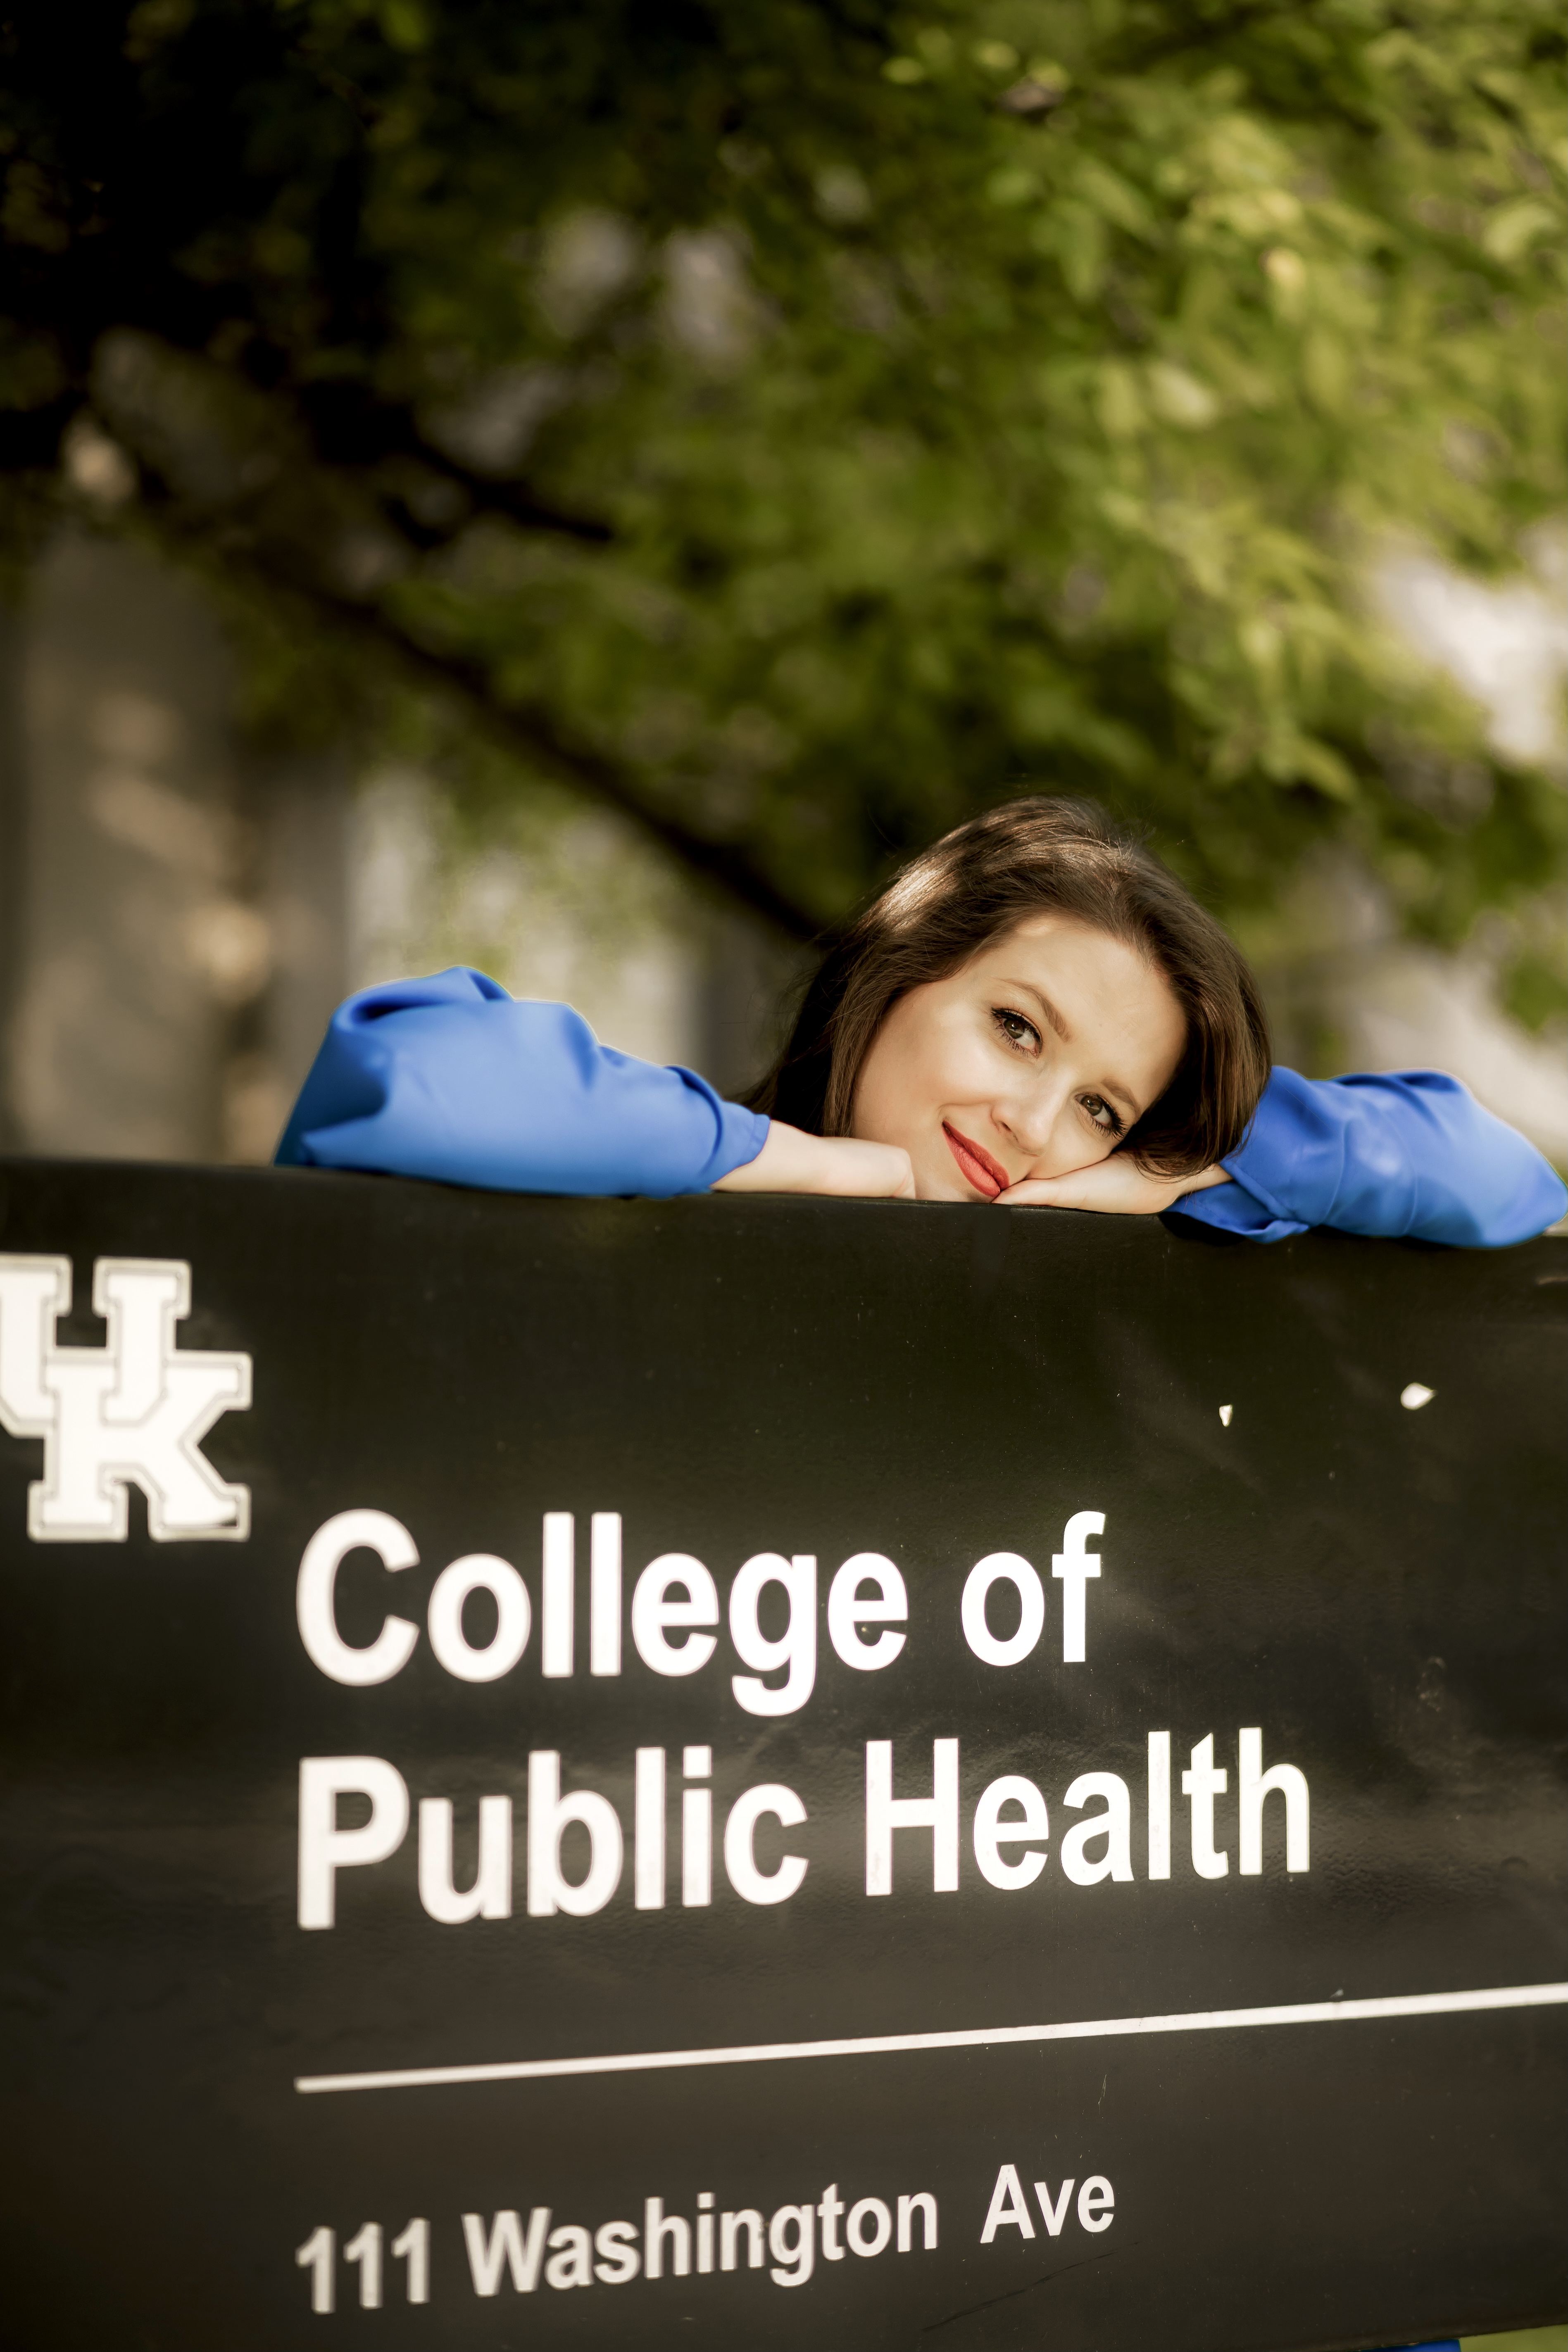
(451, 1078)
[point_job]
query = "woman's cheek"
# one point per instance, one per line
(899, 1096)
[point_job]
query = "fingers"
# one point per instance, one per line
(837, 1166)
(1108, 1189)
(1040, 1192)
(890, 1176)
(856, 1171)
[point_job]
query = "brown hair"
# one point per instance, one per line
(1030, 857)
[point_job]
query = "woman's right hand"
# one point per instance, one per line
(838, 1165)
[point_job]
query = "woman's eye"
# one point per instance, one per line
(1100, 1112)
(1015, 1028)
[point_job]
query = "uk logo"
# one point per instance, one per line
(133, 1412)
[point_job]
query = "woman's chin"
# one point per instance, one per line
(946, 1184)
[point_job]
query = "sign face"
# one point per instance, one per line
(763, 1771)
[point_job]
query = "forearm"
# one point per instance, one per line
(449, 1077)
(1400, 1154)
(839, 1166)
(1114, 1187)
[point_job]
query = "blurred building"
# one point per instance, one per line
(178, 916)
(174, 921)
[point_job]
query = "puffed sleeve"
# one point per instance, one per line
(1407, 1155)
(450, 1078)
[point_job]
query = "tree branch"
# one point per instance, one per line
(349, 427)
(526, 731)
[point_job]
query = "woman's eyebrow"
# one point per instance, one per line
(1027, 988)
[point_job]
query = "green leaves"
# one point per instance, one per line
(805, 425)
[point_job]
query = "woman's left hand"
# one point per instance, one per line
(1116, 1186)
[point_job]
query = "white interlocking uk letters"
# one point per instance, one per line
(133, 1413)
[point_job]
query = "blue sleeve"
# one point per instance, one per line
(1407, 1156)
(450, 1078)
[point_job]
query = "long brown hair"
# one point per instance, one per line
(1029, 857)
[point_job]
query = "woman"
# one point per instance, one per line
(1035, 1013)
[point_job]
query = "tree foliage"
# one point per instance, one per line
(803, 423)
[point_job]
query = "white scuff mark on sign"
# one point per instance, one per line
(1224, 1413)
(1412, 1396)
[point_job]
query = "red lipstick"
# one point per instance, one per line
(975, 1164)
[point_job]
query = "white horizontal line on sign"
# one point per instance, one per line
(994, 2037)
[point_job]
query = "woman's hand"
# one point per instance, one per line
(839, 1165)
(1116, 1186)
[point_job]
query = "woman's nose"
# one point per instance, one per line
(1031, 1121)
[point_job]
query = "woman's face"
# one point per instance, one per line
(1035, 1059)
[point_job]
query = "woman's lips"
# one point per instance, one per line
(975, 1164)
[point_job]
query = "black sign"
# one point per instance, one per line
(773, 1772)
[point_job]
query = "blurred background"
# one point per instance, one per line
(585, 490)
